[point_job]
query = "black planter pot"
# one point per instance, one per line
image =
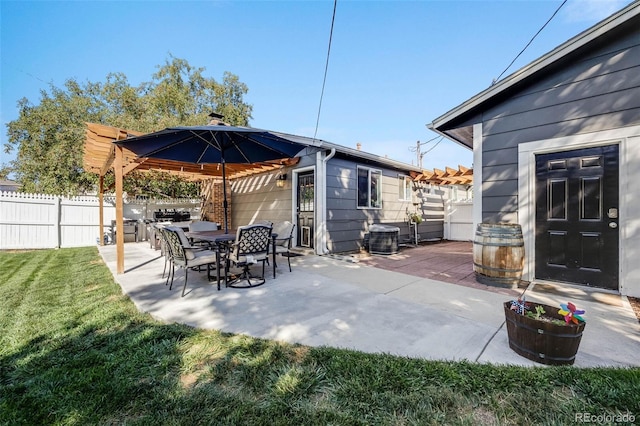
(543, 341)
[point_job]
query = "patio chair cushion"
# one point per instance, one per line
(187, 258)
(263, 222)
(284, 230)
(252, 241)
(202, 225)
(202, 257)
(282, 245)
(189, 250)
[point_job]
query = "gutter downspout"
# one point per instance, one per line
(321, 196)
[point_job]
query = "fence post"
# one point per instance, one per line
(447, 219)
(57, 221)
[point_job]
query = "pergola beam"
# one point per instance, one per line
(448, 176)
(102, 155)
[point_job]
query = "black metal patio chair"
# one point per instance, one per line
(250, 247)
(186, 257)
(282, 243)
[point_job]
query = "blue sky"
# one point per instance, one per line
(394, 65)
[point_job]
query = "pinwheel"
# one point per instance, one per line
(518, 305)
(571, 313)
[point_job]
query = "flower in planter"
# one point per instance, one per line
(416, 218)
(571, 313)
(568, 311)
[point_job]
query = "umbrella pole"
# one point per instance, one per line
(224, 196)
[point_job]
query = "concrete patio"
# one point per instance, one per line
(378, 304)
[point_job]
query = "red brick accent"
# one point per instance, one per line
(212, 207)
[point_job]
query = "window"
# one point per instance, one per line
(404, 188)
(369, 188)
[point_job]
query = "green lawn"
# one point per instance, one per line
(74, 350)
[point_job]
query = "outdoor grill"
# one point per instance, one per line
(171, 216)
(164, 215)
(130, 228)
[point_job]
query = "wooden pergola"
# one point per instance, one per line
(101, 155)
(449, 176)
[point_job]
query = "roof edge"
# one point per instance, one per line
(322, 144)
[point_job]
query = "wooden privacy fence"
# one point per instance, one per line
(37, 221)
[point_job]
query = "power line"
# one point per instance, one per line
(433, 147)
(530, 41)
(419, 154)
(326, 67)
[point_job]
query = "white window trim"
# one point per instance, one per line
(370, 170)
(477, 175)
(405, 178)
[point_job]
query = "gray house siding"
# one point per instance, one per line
(257, 198)
(347, 224)
(600, 91)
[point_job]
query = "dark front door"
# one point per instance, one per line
(577, 216)
(306, 202)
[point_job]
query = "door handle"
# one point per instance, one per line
(613, 225)
(612, 213)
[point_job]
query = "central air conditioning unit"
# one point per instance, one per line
(383, 239)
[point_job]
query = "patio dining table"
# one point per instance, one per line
(220, 240)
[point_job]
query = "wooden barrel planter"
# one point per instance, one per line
(498, 254)
(543, 341)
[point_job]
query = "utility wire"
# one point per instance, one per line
(432, 148)
(415, 148)
(326, 67)
(530, 41)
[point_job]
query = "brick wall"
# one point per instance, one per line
(212, 206)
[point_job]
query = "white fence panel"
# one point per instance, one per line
(28, 221)
(459, 221)
(36, 221)
(79, 221)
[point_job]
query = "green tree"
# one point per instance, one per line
(49, 137)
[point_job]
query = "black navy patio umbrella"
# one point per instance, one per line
(213, 144)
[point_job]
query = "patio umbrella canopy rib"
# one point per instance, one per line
(99, 155)
(213, 144)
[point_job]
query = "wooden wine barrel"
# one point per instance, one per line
(498, 254)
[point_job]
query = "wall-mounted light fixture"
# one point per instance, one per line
(281, 179)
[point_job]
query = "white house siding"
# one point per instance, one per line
(258, 198)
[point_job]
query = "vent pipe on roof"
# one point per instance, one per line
(358, 146)
(217, 120)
